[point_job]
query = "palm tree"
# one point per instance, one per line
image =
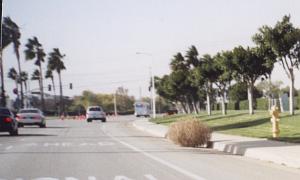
(55, 63)
(10, 34)
(49, 75)
(34, 50)
(12, 74)
(24, 79)
(35, 75)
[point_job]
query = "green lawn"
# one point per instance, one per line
(241, 123)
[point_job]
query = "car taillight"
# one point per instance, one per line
(37, 117)
(7, 119)
(18, 117)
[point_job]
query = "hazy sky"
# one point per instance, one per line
(101, 37)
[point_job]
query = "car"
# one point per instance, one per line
(31, 116)
(95, 113)
(8, 123)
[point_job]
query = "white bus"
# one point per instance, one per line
(142, 109)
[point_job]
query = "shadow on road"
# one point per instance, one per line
(24, 135)
(48, 127)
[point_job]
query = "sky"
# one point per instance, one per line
(113, 43)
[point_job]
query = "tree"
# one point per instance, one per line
(270, 89)
(205, 75)
(55, 63)
(12, 74)
(284, 41)
(223, 66)
(124, 101)
(181, 83)
(249, 65)
(36, 75)
(34, 50)
(10, 34)
(49, 75)
(23, 80)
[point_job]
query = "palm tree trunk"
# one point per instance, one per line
(22, 93)
(52, 79)
(61, 103)
(26, 92)
(3, 98)
(18, 97)
(42, 88)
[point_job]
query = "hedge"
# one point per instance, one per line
(262, 104)
(232, 105)
(244, 105)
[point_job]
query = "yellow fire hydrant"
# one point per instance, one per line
(275, 121)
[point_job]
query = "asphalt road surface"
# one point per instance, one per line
(74, 149)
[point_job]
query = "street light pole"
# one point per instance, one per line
(153, 84)
(153, 95)
(115, 104)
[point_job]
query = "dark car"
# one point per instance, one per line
(8, 123)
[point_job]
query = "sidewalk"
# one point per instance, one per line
(282, 153)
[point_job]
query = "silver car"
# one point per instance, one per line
(31, 116)
(95, 113)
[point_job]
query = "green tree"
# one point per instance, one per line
(124, 101)
(223, 69)
(249, 65)
(10, 34)
(284, 40)
(205, 75)
(34, 50)
(55, 62)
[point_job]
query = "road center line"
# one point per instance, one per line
(170, 165)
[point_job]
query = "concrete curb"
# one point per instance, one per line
(262, 149)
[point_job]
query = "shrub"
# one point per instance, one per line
(189, 132)
(232, 105)
(262, 104)
(298, 102)
(244, 105)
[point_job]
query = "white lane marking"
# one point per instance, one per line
(92, 178)
(45, 178)
(51, 144)
(106, 143)
(8, 147)
(70, 178)
(170, 165)
(150, 177)
(66, 144)
(31, 144)
(122, 178)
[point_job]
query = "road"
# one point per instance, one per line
(115, 150)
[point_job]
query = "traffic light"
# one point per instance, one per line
(71, 86)
(49, 87)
